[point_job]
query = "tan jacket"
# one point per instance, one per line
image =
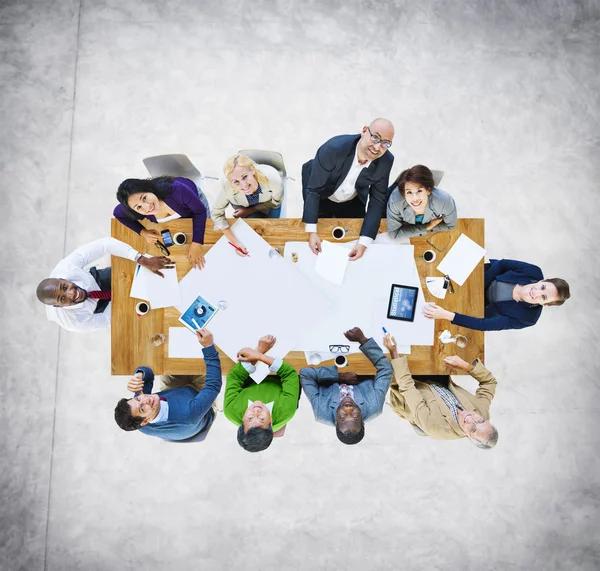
(271, 197)
(418, 403)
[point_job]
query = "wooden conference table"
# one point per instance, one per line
(131, 346)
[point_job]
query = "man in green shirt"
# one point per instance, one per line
(260, 409)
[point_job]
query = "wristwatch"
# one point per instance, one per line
(137, 257)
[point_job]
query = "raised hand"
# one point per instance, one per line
(136, 383)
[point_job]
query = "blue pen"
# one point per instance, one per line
(385, 331)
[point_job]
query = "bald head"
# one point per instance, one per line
(375, 140)
(59, 292)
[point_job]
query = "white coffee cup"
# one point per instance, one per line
(338, 233)
(179, 238)
(429, 256)
(340, 361)
(314, 359)
(142, 308)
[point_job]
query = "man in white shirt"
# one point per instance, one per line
(78, 299)
(348, 171)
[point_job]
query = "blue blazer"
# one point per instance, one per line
(506, 314)
(369, 395)
(322, 175)
(190, 411)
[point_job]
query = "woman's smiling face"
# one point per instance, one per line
(417, 196)
(145, 203)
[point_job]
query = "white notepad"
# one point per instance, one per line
(332, 262)
(461, 260)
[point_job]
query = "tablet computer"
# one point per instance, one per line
(403, 302)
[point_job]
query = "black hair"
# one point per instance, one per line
(256, 439)
(124, 418)
(419, 174)
(159, 186)
(351, 437)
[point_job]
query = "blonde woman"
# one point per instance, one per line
(254, 191)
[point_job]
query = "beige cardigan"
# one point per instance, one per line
(418, 403)
(271, 197)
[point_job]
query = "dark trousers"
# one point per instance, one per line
(351, 209)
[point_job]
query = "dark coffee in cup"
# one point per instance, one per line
(143, 307)
(179, 238)
(428, 256)
(338, 233)
(340, 360)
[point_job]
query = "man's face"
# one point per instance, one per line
(257, 415)
(474, 425)
(381, 130)
(67, 293)
(145, 406)
(348, 416)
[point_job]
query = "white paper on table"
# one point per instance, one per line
(436, 287)
(332, 262)
(263, 295)
(184, 344)
(363, 299)
(461, 260)
(158, 292)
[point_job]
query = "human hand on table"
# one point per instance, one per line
(433, 223)
(136, 383)
(357, 252)
(241, 246)
(458, 363)
(249, 355)
(156, 263)
(151, 236)
(356, 334)
(434, 311)
(314, 243)
(196, 256)
(205, 337)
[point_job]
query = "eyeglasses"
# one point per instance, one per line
(339, 348)
(444, 235)
(163, 248)
(375, 139)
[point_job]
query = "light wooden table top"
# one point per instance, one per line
(131, 345)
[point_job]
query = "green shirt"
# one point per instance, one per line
(282, 390)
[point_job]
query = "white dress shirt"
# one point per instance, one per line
(163, 413)
(347, 191)
(81, 316)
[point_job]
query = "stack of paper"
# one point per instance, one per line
(158, 292)
(461, 260)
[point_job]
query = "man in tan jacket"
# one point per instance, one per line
(445, 413)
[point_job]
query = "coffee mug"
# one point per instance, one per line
(340, 361)
(338, 232)
(429, 256)
(142, 308)
(180, 238)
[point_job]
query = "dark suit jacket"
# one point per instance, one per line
(322, 175)
(190, 411)
(506, 314)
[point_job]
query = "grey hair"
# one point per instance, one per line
(490, 441)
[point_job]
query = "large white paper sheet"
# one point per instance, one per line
(332, 262)
(362, 300)
(262, 295)
(461, 260)
(184, 344)
(158, 292)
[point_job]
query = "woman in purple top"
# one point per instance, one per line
(160, 200)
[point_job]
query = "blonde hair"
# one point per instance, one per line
(246, 162)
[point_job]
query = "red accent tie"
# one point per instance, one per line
(163, 398)
(99, 294)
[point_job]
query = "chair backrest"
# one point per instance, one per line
(172, 165)
(437, 177)
(271, 158)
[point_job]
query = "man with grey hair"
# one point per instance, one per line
(445, 411)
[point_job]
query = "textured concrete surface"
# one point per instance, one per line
(503, 96)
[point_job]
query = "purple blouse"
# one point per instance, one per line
(183, 199)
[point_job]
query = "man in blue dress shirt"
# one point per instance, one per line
(177, 414)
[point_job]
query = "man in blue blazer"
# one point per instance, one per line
(515, 293)
(340, 399)
(176, 414)
(347, 171)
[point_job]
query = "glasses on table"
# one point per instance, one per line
(445, 239)
(339, 348)
(375, 139)
(162, 248)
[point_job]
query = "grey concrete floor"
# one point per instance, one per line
(503, 96)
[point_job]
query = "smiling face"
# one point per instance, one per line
(63, 293)
(145, 203)
(145, 406)
(474, 425)
(381, 129)
(242, 179)
(417, 196)
(348, 416)
(539, 293)
(257, 415)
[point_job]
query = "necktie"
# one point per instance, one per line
(98, 294)
(163, 398)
